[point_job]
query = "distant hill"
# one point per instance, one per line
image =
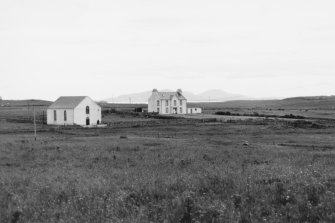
(214, 95)
(312, 102)
(207, 96)
(308, 102)
(141, 97)
(322, 102)
(20, 103)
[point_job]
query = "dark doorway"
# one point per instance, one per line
(87, 121)
(98, 122)
(174, 110)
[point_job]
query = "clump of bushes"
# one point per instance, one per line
(293, 116)
(108, 111)
(157, 116)
(227, 113)
(256, 114)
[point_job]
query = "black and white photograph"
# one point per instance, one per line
(179, 111)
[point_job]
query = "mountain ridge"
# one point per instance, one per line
(206, 96)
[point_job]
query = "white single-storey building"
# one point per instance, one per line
(167, 102)
(194, 110)
(74, 110)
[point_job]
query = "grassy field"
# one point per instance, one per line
(309, 107)
(175, 171)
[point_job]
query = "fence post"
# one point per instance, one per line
(34, 123)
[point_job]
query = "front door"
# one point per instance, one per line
(174, 110)
(87, 121)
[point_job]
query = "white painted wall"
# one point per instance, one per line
(183, 105)
(60, 117)
(163, 108)
(194, 110)
(80, 112)
(152, 102)
(166, 109)
(77, 115)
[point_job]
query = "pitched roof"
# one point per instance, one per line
(169, 95)
(67, 102)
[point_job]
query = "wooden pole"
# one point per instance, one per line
(34, 123)
(43, 118)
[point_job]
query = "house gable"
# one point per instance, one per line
(87, 110)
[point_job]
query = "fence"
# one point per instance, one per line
(40, 119)
(160, 122)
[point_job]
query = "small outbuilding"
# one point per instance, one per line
(194, 110)
(74, 110)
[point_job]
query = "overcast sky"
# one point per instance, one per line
(259, 48)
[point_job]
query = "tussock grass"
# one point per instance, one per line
(202, 174)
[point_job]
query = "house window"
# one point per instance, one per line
(174, 103)
(55, 115)
(181, 110)
(157, 102)
(181, 102)
(87, 110)
(166, 102)
(65, 116)
(158, 110)
(167, 110)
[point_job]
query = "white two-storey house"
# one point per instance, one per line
(167, 102)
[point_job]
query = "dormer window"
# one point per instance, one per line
(87, 110)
